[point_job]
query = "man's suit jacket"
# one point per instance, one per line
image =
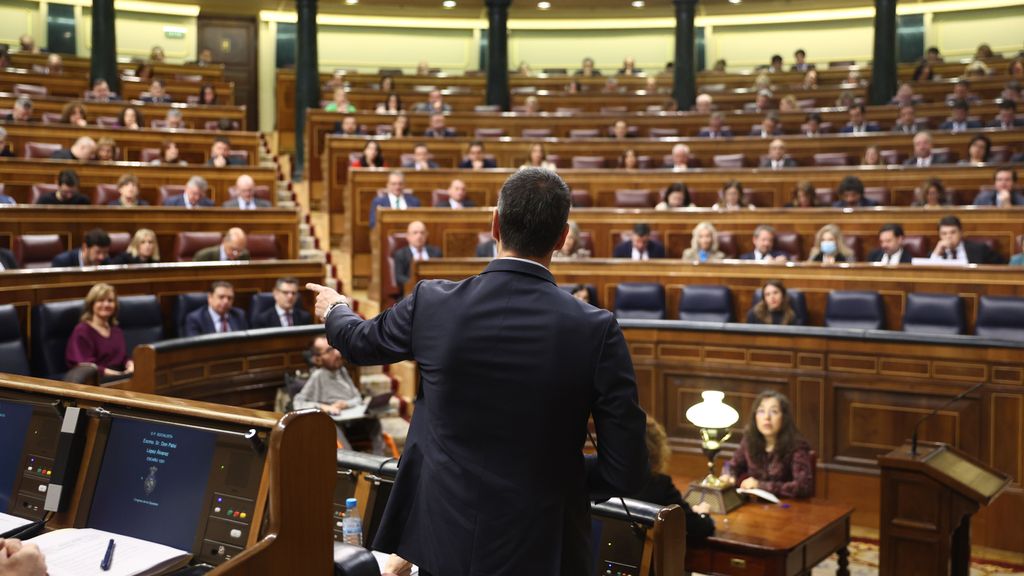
(230, 161)
(774, 254)
(971, 124)
(868, 127)
(212, 254)
(260, 203)
(403, 262)
(7, 259)
(979, 253)
(759, 131)
(488, 163)
(723, 133)
(492, 481)
(384, 202)
(269, 318)
(997, 123)
(877, 253)
(198, 322)
(936, 159)
(786, 163)
(179, 200)
(467, 203)
(625, 250)
(988, 198)
(444, 133)
(905, 129)
(486, 249)
(67, 259)
(412, 165)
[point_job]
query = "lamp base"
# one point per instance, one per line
(722, 499)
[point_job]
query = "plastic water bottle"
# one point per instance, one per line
(352, 524)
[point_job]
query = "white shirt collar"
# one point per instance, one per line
(216, 319)
(534, 262)
(638, 255)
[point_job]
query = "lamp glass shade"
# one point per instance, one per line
(712, 413)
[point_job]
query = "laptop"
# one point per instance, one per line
(369, 406)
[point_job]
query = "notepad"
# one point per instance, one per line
(9, 523)
(79, 552)
(762, 494)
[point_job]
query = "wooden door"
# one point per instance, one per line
(233, 41)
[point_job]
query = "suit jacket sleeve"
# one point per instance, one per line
(385, 339)
(621, 466)
(403, 259)
(194, 323)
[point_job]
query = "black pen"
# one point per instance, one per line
(108, 558)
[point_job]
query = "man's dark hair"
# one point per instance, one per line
(641, 229)
(286, 280)
(68, 178)
(98, 81)
(964, 82)
(961, 105)
(950, 221)
(860, 107)
(1013, 173)
(799, 52)
(220, 284)
(813, 116)
(896, 230)
(158, 81)
(96, 237)
(1008, 105)
(851, 183)
(776, 58)
(475, 143)
(533, 208)
(223, 139)
(933, 50)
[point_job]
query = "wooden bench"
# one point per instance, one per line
(74, 85)
(74, 64)
(194, 116)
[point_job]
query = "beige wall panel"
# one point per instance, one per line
(749, 46)
(17, 18)
(370, 48)
(957, 34)
(137, 33)
(567, 48)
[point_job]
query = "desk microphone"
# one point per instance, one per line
(960, 396)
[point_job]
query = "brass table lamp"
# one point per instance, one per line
(714, 418)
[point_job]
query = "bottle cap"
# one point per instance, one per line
(351, 503)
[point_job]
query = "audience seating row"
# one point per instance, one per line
(195, 117)
(80, 65)
(73, 86)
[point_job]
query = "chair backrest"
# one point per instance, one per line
(831, 159)
(1000, 317)
(584, 133)
(728, 160)
(147, 155)
(797, 301)
(582, 198)
(242, 155)
(879, 194)
(34, 90)
(119, 242)
(934, 314)
(52, 324)
(141, 320)
(39, 190)
(487, 108)
(706, 303)
(727, 244)
(917, 246)
(663, 132)
(186, 244)
(855, 245)
(51, 117)
(490, 132)
(585, 162)
(40, 149)
(105, 194)
(263, 246)
(108, 121)
(536, 132)
(640, 300)
(167, 191)
(184, 304)
(12, 349)
(37, 250)
(854, 309)
(635, 198)
(789, 242)
(260, 301)
(825, 196)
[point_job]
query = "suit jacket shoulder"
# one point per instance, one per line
(7, 259)
(67, 259)
(208, 254)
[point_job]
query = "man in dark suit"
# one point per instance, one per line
(764, 246)
(94, 251)
(67, 193)
(488, 249)
(1003, 194)
(1007, 118)
(194, 195)
(716, 127)
(640, 246)
(246, 198)
(770, 126)
(512, 499)
(456, 197)
(952, 247)
(437, 128)
(890, 246)
(417, 250)
(851, 194)
(396, 198)
(233, 246)
(923, 157)
(958, 121)
(218, 315)
(801, 62)
(474, 159)
(858, 123)
(776, 159)
(284, 312)
(7, 261)
(420, 159)
(906, 120)
(220, 154)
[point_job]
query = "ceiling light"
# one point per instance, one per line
(638, 4)
(735, 1)
(448, 4)
(543, 5)
(351, 2)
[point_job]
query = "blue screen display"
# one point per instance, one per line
(152, 481)
(14, 421)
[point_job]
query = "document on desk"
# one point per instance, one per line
(9, 523)
(762, 494)
(80, 551)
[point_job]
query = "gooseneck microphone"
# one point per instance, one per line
(960, 396)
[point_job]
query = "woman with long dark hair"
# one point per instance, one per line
(775, 307)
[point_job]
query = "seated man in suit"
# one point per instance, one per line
(128, 192)
(952, 247)
(101, 92)
(82, 150)
(716, 127)
(7, 261)
(437, 128)
(1004, 194)
(487, 249)
(67, 193)
(194, 195)
(348, 126)
(330, 388)
(958, 121)
(435, 104)
(620, 130)
(246, 199)
(704, 103)
(1007, 117)
(801, 62)
(858, 123)
(680, 158)
(770, 126)
(764, 246)
(923, 156)
(812, 125)
(22, 111)
(851, 194)
(776, 159)
(94, 251)
(640, 246)
(890, 246)
(475, 157)
(418, 250)
(420, 159)
(396, 198)
(456, 197)
(220, 154)
(233, 246)
(284, 312)
(906, 120)
(219, 314)
(157, 93)
(962, 91)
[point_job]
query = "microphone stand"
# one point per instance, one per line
(960, 396)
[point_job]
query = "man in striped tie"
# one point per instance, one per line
(285, 311)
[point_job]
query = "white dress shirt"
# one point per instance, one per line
(283, 314)
(397, 202)
(958, 255)
(638, 255)
(893, 258)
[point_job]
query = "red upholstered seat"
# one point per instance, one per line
(581, 198)
(588, 162)
(186, 244)
(536, 132)
(831, 159)
(728, 160)
(635, 198)
(33, 90)
(105, 194)
(147, 155)
(263, 246)
(167, 191)
(789, 242)
(40, 190)
(879, 194)
(119, 242)
(917, 246)
(727, 244)
(37, 250)
(40, 149)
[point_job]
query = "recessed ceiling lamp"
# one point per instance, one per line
(448, 4)
(735, 1)
(638, 4)
(351, 2)
(543, 5)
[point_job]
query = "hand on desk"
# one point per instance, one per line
(395, 565)
(17, 559)
(334, 408)
(749, 483)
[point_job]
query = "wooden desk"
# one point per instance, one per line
(74, 64)
(74, 85)
(774, 540)
(194, 115)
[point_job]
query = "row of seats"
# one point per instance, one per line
(926, 313)
(103, 194)
(40, 91)
(39, 250)
(45, 150)
(140, 318)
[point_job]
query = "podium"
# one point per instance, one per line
(927, 504)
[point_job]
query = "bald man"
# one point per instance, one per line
(232, 247)
(417, 250)
(776, 159)
(244, 193)
(457, 198)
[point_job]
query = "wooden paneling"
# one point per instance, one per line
(74, 65)
(75, 85)
(195, 116)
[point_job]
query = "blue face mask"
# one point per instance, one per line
(828, 246)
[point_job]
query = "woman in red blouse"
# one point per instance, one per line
(773, 456)
(97, 339)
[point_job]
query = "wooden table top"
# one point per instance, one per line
(774, 527)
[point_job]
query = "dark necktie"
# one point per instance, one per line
(224, 327)
(288, 319)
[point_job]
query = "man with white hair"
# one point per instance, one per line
(703, 104)
(776, 159)
(22, 111)
(680, 157)
(244, 193)
(234, 246)
(194, 195)
(82, 150)
(923, 156)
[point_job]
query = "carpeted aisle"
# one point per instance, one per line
(864, 562)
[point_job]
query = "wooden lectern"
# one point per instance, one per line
(927, 503)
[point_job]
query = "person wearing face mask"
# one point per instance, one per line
(773, 455)
(775, 307)
(829, 247)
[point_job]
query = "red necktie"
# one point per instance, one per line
(288, 319)
(224, 324)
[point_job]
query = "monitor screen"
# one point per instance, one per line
(152, 481)
(14, 422)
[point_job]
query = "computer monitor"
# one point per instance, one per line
(29, 430)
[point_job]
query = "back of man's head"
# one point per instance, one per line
(851, 184)
(533, 208)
